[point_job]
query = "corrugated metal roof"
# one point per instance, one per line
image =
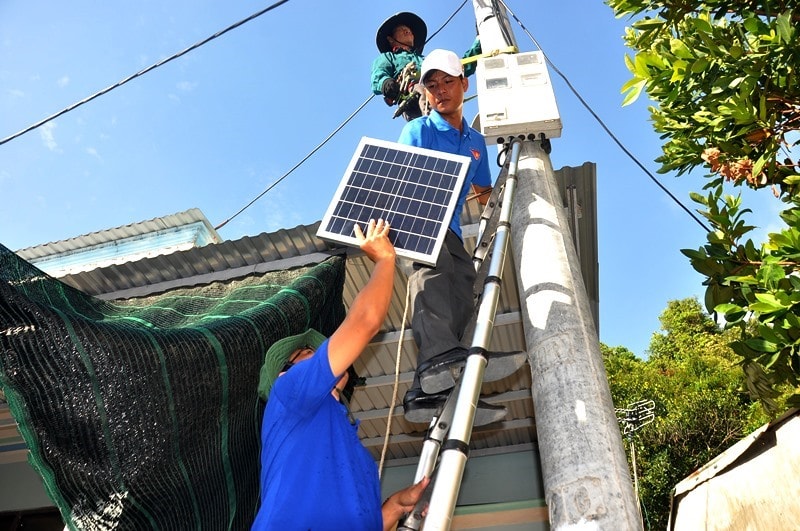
(193, 215)
(371, 404)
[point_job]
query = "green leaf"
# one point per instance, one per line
(743, 350)
(732, 312)
(752, 25)
(793, 401)
(793, 320)
(770, 275)
(633, 91)
(649, 24)
(743, 279)
(785, 29)
(758, 167)
(773, 359)
(699, 254)
(698, 198)
(769, 300)
(764, 309)
(680, 50)
(700, 65)
(702, 25)
(761, 345)
(678, 70)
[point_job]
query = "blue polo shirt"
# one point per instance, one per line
(434, 132)
(315, 473)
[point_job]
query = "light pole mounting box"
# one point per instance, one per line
(515, 97)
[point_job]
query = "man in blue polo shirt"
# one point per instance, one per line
(442, 296)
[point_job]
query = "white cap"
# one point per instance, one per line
(444, 60)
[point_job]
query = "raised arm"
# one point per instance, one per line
(369, 309)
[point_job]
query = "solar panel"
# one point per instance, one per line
(412, 188)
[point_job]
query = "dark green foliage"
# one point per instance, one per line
(700, 409)
(723, 76)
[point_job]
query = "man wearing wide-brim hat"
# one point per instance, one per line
(315, 473)
(400, 40)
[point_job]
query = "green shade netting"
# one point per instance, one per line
(143, 414)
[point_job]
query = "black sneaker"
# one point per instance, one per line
(420, 407)
(436, 374)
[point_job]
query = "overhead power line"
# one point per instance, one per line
(603, 125)
(141, 72)
(331, 135)
(310, 153)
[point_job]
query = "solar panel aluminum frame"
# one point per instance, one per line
(413, 172)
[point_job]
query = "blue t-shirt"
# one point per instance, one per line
(315, 473)
(434, 132)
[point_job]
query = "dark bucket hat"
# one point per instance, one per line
(414, 23)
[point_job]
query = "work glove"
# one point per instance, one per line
(390, 89)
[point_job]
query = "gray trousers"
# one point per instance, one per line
(442, 300)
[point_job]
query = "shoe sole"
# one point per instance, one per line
(483, 416)
(438, 379)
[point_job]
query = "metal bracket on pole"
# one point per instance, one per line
(451, 430)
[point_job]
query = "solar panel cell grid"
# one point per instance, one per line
(414, 189)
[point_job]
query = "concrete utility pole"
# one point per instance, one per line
(585, 472)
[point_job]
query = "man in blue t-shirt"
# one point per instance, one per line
(315, 473)
(442, 296)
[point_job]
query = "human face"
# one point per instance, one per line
(445, 93)
(402, 36)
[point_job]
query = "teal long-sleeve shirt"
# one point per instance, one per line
(390, 64)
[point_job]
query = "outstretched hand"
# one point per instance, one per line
(375, 243)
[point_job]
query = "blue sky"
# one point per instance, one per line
(217, 126)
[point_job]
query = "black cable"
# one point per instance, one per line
(142, 72)
(446, 22)
(502, 154)
(504, 30)
(273, 185)
(197, 45)
(352, 115)
(603, 125)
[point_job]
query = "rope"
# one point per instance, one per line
(396, 382)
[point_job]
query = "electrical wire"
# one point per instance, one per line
(504, 29)
(352, 115)
(281, 2)
(446, 22)
(141, 72)
(310, 153)
(189, 49)
(603, 125)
